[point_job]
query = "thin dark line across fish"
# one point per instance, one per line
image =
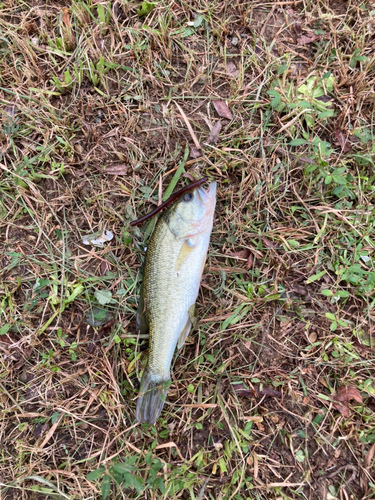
(167, 202)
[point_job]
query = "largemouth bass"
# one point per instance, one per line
(175, 259)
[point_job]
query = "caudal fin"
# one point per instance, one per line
(151, 399)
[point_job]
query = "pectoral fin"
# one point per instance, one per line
(185, 251)
(191, 321)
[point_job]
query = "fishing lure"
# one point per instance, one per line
(171, 199)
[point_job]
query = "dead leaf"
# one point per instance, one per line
(301, 290)
(369, 456)
(342, 140)
(65, 17)
(195, 152)
(119, 169)
(98, 335)
(98, 239)
(260, 426)
(104, 267)
(313, 337)
(222, 109)
(214, 134)
(309, 38)
(11, 110)
(41, 429)
(346, 393)
(268, 243)
(26, 353)
(232, 69)
(241, 254)
(343, 396)
(250, 261)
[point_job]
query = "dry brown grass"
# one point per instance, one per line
(90, 86)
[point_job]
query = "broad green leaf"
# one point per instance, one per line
(300, 456)
(55, 417)
(137, 483)
(333, 326)
(304, 104)
(293, 243)
(282, 69)
(328, 180)
(198, 22)
(297, 142)
(105, 486)
(275, 101)
(326, 114)
(326, 292)
(122, 468)
(97, 316)
(103, 296)
(331, 316)
(5, 329)
(316, 277)
(339, 179)
(146, 8)
(95, 474)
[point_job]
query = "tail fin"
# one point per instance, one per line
(151, 398)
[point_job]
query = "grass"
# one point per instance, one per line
(286, 309)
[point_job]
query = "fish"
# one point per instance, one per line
(175, 259)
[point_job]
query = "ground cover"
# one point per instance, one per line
(106, 107)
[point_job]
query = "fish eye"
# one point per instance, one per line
(188, 196)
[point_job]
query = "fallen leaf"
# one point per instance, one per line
(214, 134)
(346, 393)
(11, 110)
(343, 396)
(313, 337)
(232, 69)
(241, 254)
(268, 243)
(260, 426)
(98, 239)
(369, 456)
(41, 429)
(195, 152)
(26, 353)
(104, 267)
(309, 38)
(65, 17)
(342, 140)
(222, 109)
(119, 169)
(301, 290)
(250, 261)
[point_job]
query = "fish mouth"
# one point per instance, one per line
(207, 195)
(207, 198)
